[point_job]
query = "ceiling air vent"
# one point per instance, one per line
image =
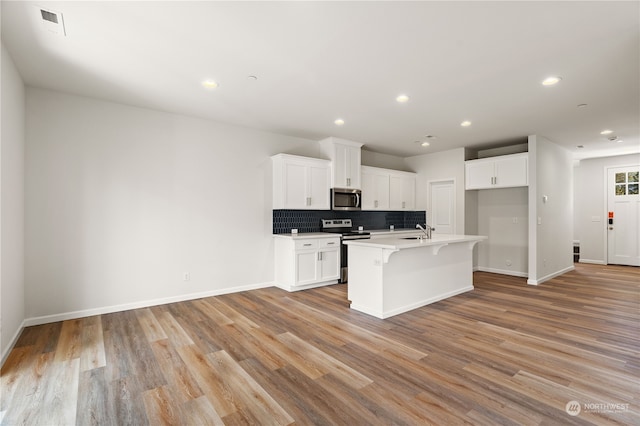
(51, 21)
(49, 16)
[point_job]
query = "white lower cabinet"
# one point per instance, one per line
(329, 264)
(306, 262)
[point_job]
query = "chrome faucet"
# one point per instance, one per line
(427, 231)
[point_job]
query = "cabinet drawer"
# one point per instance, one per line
(329, 242)
(306, 244)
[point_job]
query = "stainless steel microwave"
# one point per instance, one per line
(345, 199)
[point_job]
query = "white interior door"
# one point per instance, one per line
(623, 230)
(441, 213)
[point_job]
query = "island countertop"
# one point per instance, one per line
(400, 243)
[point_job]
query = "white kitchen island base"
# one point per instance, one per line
(390, 276)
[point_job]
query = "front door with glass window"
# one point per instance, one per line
(623, 216)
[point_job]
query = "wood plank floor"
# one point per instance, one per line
(505, 353)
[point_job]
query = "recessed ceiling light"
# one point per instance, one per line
(209, 84)
(425, 144)
(402, 98)
(582, 105)
(580, 146)
(606, 132)
(465, 123)
(550, 81)
(339, 122)
(619, 141)
(252, 77)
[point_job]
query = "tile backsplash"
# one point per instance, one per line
(310, 220)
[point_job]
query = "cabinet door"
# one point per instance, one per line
(353, 167)
(295, 186)
(382, 191)
(479, 174)
(339, 165)
(319, 179)
(346, 165)
(402, 193)
(511, 171)
(328, 265)
(395, 192)
(306, 264)
(368, 191)
(409, 193)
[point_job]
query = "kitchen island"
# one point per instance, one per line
(389, 276)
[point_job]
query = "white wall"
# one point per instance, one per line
(122, 201)
(503, 216)
(551, 222)
(12, 140)
(385, 161)
(590, 204)
(440, 166)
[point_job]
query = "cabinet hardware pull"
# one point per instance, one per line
(330, 243)
(348, 181)
(307, 245)
(375, 203)
(319, 255)
(403, 204)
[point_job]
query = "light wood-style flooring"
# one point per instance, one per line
(505, 353)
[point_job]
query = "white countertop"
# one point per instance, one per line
(398, 243)
(387, 231)
(303, 235)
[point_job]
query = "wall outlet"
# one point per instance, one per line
(186, 276)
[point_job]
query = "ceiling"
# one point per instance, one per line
(315, 62)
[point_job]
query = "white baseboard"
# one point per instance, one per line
(12, 343)
(291, 288)
(595, 262)
(503, 272)
(136, 305)
(552, 275)
(402, 309)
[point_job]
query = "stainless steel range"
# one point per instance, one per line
(344, 227)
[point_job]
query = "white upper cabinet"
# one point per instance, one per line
(375, 188)
(505, 171)
(385, 189)
(345, 159)
(300, 183)
(402, 194)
